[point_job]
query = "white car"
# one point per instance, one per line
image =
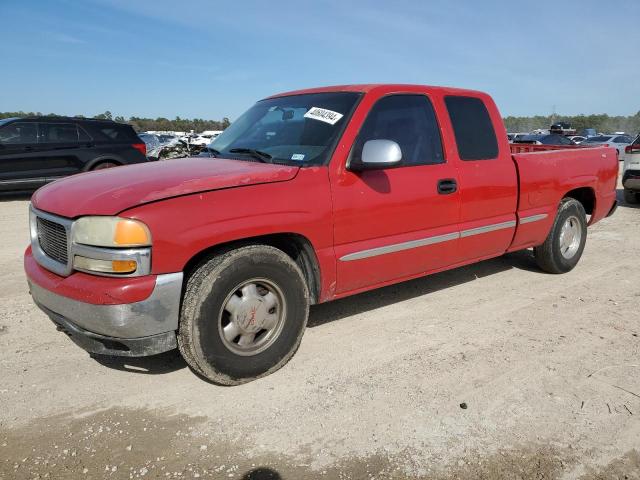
(631, 172)
(577, 139)
(619, 142)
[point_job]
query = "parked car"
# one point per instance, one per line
(544, 139)
(314, 195)
(515, 136)
(166, 140)
(588, 132)
(619, 142)
(153, 145)
(631, 172)
(38, 150)
(562, 128)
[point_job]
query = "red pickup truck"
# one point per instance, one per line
(309, 196)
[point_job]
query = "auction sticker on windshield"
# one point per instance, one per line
(324, 115)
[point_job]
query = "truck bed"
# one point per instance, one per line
(545, 173)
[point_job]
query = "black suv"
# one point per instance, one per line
(37, 150)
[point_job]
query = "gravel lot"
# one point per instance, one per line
(547, 367)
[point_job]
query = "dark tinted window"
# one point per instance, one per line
(58, 133)
(408, 120)
(473, 129)
(114, 132)
(622, 139)
(555, 140)
(82, 135)
(19, 133)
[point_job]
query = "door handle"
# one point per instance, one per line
(447, 186)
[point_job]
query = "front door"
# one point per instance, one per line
(395, 223)
(20, 167)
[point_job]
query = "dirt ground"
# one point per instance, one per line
(546, 366)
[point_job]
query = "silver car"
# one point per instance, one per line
(619, 142)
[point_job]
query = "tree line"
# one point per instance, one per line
(601, 122)
(141, 124)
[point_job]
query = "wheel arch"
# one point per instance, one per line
(586, 196)
(296, 246)
(96, 161)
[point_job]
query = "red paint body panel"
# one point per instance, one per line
(194, 204)
(182, 227)
(90, 288)
(110, 191)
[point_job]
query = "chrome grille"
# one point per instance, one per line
(52, 238)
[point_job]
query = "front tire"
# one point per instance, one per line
(565, 243)
(243, 314)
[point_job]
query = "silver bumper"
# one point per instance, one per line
(632, 184)
(157, 314)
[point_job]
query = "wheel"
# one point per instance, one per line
(103, 165)
(630, 196)
(243, 314)
(564, 245)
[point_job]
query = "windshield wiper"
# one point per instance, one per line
(212, 151)
(257, 154)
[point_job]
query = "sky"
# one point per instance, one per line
(215, 58)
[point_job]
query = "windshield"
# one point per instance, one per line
(297, 129)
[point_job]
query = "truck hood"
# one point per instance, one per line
(110, 191)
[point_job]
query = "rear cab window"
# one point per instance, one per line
(473, 128)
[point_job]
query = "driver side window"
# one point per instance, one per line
(408, 120)
(19, 133)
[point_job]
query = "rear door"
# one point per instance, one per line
(20, 166)
(487, 177)
(62, 144)
(395, 223)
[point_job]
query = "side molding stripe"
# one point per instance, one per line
(487, 228)
(398, 247)
(533, 218)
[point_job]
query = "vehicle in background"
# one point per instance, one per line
(588, 132)
(314, 195)
(631, 172)
(545, 139)
(166, 139)
(562, 128)
(577, 139)
(211, 135)
(153, 145)
(619, 142)
(514, 136)
(38, 150)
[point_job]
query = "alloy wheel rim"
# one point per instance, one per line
(252, 317)
(570, 237)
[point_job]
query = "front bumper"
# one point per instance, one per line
(104, 345)
(631, 180)
(140, 328)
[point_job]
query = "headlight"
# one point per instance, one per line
(111, 246)
(111, 232)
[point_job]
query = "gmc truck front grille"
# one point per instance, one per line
(52, 238)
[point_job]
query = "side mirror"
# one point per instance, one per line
(378, 154)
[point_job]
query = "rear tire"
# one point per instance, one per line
(243, 314)
(565, 243)
(630, 196)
